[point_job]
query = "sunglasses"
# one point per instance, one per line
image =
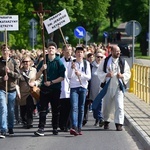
(25, 61)
(99, 56)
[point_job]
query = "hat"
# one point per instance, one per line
(79, 48)
(52, 44)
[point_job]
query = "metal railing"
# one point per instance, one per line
(141, 82)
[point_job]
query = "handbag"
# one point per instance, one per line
(35, 92)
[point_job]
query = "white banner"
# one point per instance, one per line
(8, 22)
(56, 21)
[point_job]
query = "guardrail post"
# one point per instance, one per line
(131, 81)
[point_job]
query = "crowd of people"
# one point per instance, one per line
(70, 80)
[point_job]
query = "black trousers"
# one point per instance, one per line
(51, 96)
(64, 119)
(26, 111)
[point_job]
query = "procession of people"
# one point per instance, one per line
(69, 83)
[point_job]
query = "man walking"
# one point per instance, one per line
(64, 120)
(79, 74)
(117, 70)
(8, 77)
(50, 89)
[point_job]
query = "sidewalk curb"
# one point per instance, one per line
(137, 130)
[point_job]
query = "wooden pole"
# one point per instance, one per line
(63, 37)
(41, 14)
(67, 48)
(6, 65)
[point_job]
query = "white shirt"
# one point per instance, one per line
(84, 78)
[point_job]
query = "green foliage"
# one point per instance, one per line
(136, 10)
(88, 14)
(5, 5)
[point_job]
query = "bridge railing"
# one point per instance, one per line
(141, 82)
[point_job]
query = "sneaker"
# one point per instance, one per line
(90, 111)
(96, 122)
(101, 123)
(11, 132)
(39, 132)
(2, 135)
(73, 132)
(55, 132)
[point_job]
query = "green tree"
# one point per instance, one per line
(135, 10)
(89, 14)
(5, 5)
(23, 9)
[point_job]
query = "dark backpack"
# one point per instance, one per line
(121, 64)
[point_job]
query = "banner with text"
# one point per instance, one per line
(56, 21)
(8, 22)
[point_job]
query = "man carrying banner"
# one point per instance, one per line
(50, 89)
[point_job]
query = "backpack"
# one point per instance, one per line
(121, 65)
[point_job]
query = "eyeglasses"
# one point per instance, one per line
(25, 61)
(99, 56)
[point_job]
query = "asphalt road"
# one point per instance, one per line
(93, 138)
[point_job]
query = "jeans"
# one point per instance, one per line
(77, 96)
(97, 114)
(7, 110)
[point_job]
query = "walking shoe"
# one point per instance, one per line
(101, 123)
(66, 129)
(29, 126)
(96, 122)
(84, 122)
(55, 132)
(118, 127)
(11, 132)
(106, 125)
(24, 123)
(2, 135)
(73, 132)
(62, 128)
(39, 132)
(79, 132)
